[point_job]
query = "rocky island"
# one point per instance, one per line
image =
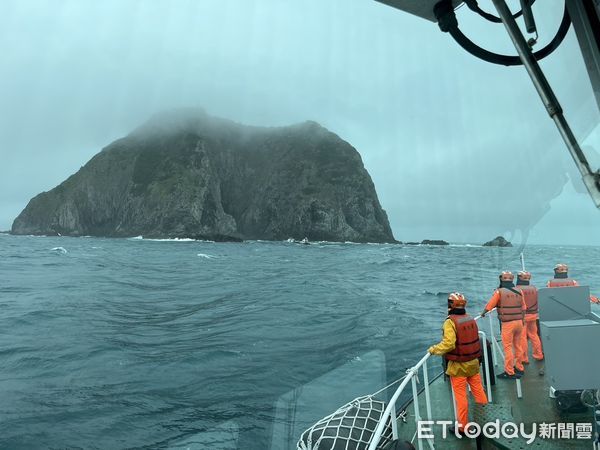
(498, 241)
(434, 242)
(187, 174)
(428, 242)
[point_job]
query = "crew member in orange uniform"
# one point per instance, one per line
(511, 307)
(530, 332)
(461, 348)
(561, 279)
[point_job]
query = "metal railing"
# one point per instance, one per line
(412, 375)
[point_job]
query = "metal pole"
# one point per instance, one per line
(391, 404)
(488, 383)
(493, 338)
(416, 407)
(590, 179)
(394, 420)
(519, 390)
(427, 398)
(499, 350)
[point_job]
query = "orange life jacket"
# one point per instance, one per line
(510, 306)
(531, 298)
(561, 282)
(467, 339)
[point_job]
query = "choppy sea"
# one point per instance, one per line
(134, 343)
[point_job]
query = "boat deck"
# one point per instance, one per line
(535, 405)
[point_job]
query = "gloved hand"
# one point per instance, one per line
(483, 313)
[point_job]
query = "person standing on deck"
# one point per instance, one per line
(530, 331)
(561, 279)
(510, 305)
(460, 346)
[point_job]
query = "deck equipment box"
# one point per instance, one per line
(564, 303)
(569, 363)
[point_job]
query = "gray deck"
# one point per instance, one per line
(534, 406)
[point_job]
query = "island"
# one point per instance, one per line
(186, 174)
(498, 241)
(434, 242)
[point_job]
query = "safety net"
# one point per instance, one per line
(351, 427)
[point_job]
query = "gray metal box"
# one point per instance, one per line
(570, 351)
(564, 303)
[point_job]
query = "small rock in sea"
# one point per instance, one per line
(434, 242)
(498, 241)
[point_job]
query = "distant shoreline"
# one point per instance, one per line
(402, 244)
(424, 243)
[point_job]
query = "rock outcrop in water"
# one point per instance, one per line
(187, 174)
(498, 241)
(434, 242)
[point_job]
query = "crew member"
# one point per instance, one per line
(461, 349)
(530, 332)
(511, 308)
(561, 279)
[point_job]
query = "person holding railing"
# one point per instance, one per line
(510, 305)
(460, 346)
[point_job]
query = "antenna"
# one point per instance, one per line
(522, 262)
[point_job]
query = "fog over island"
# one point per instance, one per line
(458, 149)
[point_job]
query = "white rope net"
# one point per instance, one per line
(351, 427)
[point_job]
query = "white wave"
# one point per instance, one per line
(172, 240)
(60, 250)
(142, 238)
(204, 255)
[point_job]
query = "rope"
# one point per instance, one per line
(389, 385)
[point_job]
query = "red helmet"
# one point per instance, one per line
(524, 275)
(561, 268)
(457, 300)
(507, 276)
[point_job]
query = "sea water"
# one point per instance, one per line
(135, 343)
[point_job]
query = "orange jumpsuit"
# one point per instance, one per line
(461, 374)
(530, 331)
(511, 336)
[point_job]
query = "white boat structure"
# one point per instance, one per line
(563, 392)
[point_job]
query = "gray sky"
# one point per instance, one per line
(458, 149)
